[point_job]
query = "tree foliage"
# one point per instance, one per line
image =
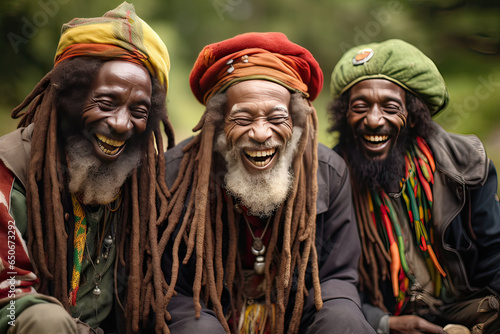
(461, 36)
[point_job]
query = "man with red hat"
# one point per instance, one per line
(261, 226)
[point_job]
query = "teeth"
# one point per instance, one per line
(109, 141)
(105, 150)
(117, 144)
(261, 163)
(258, 154)
(260, 158)
(376, 138)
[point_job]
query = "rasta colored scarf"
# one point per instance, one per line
(80, 234)
(80, 237)
(379, 223)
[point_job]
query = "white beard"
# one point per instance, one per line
(262, 193)
(97, 182)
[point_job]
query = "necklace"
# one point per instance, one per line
(258, 248)
(98, 275)
(103, 247)
(108, 241)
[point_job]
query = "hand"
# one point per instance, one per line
(412, 324)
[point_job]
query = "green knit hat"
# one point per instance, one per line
(396, 61)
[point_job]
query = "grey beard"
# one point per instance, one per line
(97, 182)
(262, 193)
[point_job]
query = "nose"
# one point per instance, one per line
(120, 121)
(374, 118)
(260, 131)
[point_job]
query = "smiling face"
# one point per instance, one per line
(376, 115)
(117, 108)
(258, 123)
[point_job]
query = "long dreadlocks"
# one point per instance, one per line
(202, 229)
(375, 259)
(58, 95)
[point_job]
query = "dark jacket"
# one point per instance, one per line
(337, 242)
(466, 216)
(466, 213)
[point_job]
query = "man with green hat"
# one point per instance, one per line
(79, 183)
(425, 199)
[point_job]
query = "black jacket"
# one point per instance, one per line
(466, 216)
(337, 241)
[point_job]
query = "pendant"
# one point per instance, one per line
(108, 242)
(258, 249)
(259, 265)
(97, 291)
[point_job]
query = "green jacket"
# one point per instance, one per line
(15, 149)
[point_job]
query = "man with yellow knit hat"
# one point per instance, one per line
(73, 176)
(425, 199)
(263, 237)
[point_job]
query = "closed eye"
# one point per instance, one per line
(278, 119)
(393, 108)
(105, 104)
(359, 107)
(242, 121)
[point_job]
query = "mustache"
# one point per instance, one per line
(377, 132)
(252, 145)
(375, 174)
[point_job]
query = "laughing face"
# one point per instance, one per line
(117, 108)
(258, 122)
(259, 145)
(376, 115)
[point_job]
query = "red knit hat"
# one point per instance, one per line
(268, 56)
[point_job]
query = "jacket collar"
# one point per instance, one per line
(461, 157)
(15, 152)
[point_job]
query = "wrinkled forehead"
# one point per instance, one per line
(379, 88)
(127, 73)
(257, 95)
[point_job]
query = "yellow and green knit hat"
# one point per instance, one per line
(396, 61)
(118, 34)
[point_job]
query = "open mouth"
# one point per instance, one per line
(109, 146)
(376, 146)
(376, 139)
(260, 158)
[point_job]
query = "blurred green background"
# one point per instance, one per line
(461, 36)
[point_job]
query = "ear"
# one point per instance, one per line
(299, 109)
(412, 120)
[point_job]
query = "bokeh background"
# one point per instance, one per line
(461, 36)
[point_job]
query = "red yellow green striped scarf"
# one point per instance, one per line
(80, 235)
(416, 190)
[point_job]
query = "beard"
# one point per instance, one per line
(384, 174)
(96, 181)
(263, 192)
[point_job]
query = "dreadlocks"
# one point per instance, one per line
(57, 98)
(200, 226)
(375, 259)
